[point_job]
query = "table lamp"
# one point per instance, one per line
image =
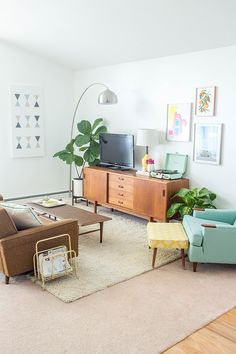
(147, 138)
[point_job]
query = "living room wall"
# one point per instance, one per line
(30, 176)
(144, 89)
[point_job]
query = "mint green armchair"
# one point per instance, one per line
(212, 236)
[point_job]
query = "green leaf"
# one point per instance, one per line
(182, 192)
(81, 140)
(95, 162)
(173, 209)
(84, 148)
(84, 127)
(57, 154)
(185, 210)
(70, 147)
(78, 160)
(100, 130)
(95, 148)
(96, 123)
(89, 156)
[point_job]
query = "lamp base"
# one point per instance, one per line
(144, 162)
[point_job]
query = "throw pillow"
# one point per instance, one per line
(23, 216)
(7, 226)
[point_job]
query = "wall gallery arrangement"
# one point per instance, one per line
(207, 136)
(27, 121)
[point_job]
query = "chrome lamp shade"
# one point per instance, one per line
(107, 97)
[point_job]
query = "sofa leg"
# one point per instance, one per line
(194, 266)
(7, 279)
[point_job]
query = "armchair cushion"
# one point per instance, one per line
(24, 217)
(221, 215)
(193, 228)
(7, 226)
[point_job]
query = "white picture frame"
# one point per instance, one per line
(207, 143)
(178, 121)
(205, 101)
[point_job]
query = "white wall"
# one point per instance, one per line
(29, 176)
(145, 88)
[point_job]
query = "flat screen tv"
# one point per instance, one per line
(117, 150)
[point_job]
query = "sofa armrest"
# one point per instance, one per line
(17, 250)
(222, 215)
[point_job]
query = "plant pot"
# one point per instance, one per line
(77, 187)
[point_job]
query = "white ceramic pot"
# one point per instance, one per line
(77, 187)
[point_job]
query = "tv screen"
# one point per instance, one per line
(117, 150)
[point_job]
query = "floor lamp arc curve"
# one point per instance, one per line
(106, 97)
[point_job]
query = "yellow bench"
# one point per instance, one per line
(167, 235)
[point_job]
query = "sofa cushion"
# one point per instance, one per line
(7, 226)
(24, 217)
(193, 228)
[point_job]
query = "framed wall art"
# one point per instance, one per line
(178, 121)
(205, 101)
(207, 143)
(27, 121)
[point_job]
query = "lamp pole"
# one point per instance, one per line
(106, 97)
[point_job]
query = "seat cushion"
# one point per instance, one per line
(7, 226)
(24, 217)
(193, 228)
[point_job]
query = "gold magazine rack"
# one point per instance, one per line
(54, 262)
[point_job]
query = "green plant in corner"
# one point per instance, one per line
(183, 202)
(87, 142)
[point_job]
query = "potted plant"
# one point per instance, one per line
(183, 202)
(87, 143)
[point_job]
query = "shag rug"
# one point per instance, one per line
(123, 254)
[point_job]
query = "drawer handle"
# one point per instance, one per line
(120, 186)
(121, 194)
(121, 178)
(120, 202)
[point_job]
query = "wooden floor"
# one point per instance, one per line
(219, 337)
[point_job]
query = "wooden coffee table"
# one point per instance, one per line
(66, 211)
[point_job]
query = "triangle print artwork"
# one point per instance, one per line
(37, 122)
(36, 99)
(17, 96)
(37, 139)
(27, 100)
(27, 121)
(18, 139)
(18, 122)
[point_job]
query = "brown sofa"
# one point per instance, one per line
(18, 247)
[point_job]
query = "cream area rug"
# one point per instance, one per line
(123, 254)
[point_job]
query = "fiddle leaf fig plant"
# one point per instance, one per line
(87, 143)
(183, 202)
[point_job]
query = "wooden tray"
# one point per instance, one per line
(56, 204)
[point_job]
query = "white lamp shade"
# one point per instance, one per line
(147, 137)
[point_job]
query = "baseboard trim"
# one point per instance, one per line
(35, 195)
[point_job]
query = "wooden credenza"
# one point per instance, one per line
(138, 195)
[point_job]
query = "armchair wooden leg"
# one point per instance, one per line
(7, 279)
(194, 266)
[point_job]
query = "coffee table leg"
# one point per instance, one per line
(183, 258)
(154, 257)
(101, 231)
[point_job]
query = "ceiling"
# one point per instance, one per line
(89, 33)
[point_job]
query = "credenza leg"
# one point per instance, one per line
(183, 258)
(101, 231)
(95, 207)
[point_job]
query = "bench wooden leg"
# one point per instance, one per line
(154, 257)
(194, 266)
(7, 279)
(183, 258)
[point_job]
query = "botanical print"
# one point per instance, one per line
(205, 101)
(27, 121)
(178, 122)
(207, 143)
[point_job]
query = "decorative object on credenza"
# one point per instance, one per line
(205, 101)
(183, 202)
(27, 121)
(207, 143)
(178, 121)
(147, 138)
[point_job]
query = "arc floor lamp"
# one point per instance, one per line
(106, 97)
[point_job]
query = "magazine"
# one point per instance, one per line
(54, 262)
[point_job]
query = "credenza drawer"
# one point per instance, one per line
(126, 203)
(120, 179)
(121, 186)
(120, 194)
